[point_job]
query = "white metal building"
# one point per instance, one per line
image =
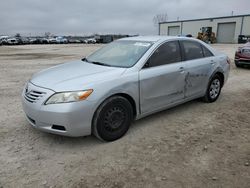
(227, 29)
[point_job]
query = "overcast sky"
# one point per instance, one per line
(105, 16)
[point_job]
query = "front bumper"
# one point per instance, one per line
(242, 62)
(242, 59)
(68, 119)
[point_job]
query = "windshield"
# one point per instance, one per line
(120, 53)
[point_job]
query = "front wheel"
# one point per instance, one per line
(112, 119)
(213, 90)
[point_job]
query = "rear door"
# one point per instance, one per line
(198, 62)
(162, 78)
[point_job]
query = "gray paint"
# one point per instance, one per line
(153, 89)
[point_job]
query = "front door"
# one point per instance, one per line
(162, 78)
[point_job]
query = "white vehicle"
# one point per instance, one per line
(3, 39)
(61, 40)
(12, 41)
(52, 40)
(91, 41)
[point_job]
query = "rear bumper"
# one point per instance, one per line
(68, 119)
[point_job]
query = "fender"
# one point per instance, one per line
(216, 71)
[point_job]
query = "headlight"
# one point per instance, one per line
(66, 97)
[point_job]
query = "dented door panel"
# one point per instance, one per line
(161, 85)
(197, 76)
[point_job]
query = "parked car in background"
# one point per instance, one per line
(44, 41)
(124, 80)
(74, 41)
(32, 40)
(61, 40)
(12, 41)
(52, 40)
(3, 40)
(242, 55)
(23, 40)
(36, 40)
(90, 41)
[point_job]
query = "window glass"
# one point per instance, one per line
(192, 50)
(206, 52)
(166, 54)
(120, 53)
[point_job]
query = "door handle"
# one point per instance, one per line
(181, 69)
(212, 62)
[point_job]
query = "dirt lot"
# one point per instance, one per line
(192, 145)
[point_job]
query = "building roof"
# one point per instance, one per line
(211, 18)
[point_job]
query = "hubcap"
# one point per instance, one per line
(114, 118)
(214, 88)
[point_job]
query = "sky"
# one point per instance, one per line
(85, 17)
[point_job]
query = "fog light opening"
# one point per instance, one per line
(58, 127)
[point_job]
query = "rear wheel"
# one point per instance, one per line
(112, 119)
(213, 90)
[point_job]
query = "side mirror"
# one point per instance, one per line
(147, 64)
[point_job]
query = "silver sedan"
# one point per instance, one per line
(125, 80)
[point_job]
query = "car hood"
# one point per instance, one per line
(75, 75)
(247, 44)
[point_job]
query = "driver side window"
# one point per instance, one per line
(167, 53)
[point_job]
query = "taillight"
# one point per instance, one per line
(228, 61)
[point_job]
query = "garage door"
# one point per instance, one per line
(225, 32)
(173, 30)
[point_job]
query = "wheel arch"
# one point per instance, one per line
(124, 95)
(220, 73)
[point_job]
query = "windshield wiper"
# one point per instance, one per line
(85, 59)
(95, 62)
(99, 63)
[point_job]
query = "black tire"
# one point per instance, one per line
(112, 119)
(213, 89)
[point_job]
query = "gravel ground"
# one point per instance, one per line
(192, 145)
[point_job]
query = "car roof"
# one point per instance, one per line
(154, 38)
(148, 38)
(159, 39)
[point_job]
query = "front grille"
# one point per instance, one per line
(33, 96)
(246, 52)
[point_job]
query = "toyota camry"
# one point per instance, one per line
(123, 81)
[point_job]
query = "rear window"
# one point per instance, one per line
(207, 52)
(192, 50)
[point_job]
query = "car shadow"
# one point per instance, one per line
(90, 141)
(164, 113)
